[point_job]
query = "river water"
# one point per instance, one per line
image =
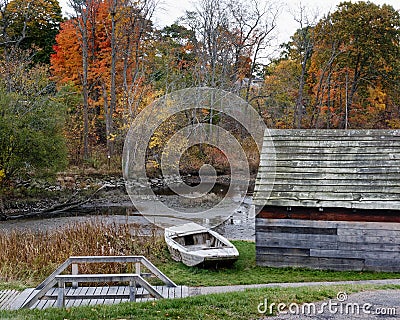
(239, 226)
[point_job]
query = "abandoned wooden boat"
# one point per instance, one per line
(195, 245)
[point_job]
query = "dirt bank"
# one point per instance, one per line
(71, 193)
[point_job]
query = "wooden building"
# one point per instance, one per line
(335, 201)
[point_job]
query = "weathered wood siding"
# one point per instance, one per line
(335, 245)
(330, 199)
(357, 169)
(330, 214)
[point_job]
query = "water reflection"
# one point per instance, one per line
(238, 226)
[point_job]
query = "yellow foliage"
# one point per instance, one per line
(393, 123)
(151, 164)
(2, 174)
(155, 141)
(112, 137)
(377, 98)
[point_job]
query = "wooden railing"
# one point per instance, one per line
(75, 278)
(133, 279)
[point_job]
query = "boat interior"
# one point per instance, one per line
(198, 241)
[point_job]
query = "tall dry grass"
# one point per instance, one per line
(29, 257)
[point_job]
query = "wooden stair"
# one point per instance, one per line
(47, 294)
(7, 297)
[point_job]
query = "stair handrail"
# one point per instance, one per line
(108, 259)
(50, 281)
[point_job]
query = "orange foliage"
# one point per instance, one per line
(66, 64)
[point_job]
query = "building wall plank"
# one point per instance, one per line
(271, 241)
(336, 245)
(278, 260)
(330, 168)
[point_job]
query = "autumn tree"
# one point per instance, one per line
(253, 26)
(100, 50)
(300, 49)
(36, 24)
(27, 24)
(285, 90)
(135, 37)
(210, 24)
(13, 24)
(31, 121)
(356, 54)
(174, 58)
(31, 114)
(229, 37)
(279, 91)
(84, 23)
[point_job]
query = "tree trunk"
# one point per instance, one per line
(299, 100)
(82, 12)
(85, 92)
(113, 94)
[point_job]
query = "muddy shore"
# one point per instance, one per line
(111, 204)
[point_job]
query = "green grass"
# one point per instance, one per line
(235, 305)
(245, 271)
(13, 285)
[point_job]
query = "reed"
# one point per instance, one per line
(30, 256)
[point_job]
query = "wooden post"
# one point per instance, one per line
(132, 291)
(61, 294)
(137, 268)
(75, 271)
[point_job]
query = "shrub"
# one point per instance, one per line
(30, 256)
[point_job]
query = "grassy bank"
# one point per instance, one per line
(245, 271)
(236, 305)
(27, 258)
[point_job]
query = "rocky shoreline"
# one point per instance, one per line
(105, 198)
(45, 199)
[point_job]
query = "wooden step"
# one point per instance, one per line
(7, 297)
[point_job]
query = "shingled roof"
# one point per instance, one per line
(357, 169)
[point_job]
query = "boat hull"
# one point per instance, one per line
(199, 246)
